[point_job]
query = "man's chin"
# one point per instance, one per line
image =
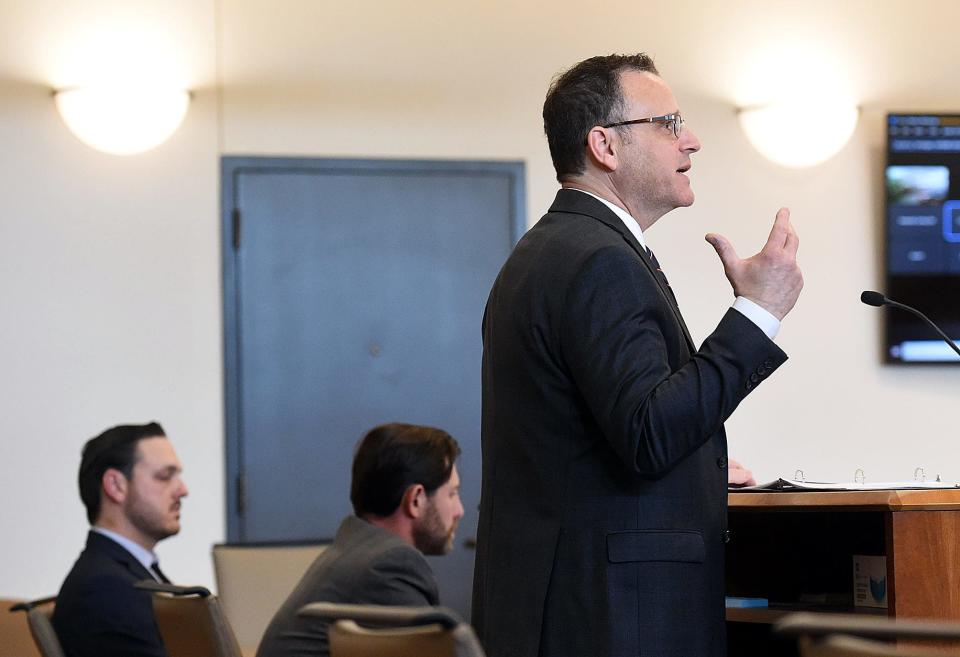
(685, 201)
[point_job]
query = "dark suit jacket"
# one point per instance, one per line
(99, 613)
(603, 504)
(364, 565)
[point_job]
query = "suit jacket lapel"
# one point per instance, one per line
(575, 202)
(100, 543)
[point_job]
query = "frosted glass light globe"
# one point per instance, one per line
(798, 136)
(122, 120)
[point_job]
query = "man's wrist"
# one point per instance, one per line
(759, 315)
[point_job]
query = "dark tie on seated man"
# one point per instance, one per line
(131, 487)
(405, 492)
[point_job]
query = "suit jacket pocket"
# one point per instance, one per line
(685, 546)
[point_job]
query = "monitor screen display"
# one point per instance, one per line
(922, 182)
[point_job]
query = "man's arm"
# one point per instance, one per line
(621, 341)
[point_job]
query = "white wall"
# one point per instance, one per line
(111, 289)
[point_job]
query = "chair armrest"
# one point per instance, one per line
(172, 589)
(867, 626)
(27, 606)
(382, 615)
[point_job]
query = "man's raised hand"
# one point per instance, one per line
(771, 278)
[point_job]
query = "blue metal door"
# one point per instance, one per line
(353, 295)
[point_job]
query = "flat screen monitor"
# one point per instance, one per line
(922, 181)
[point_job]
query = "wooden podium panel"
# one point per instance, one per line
(925, 564)
(796, 549)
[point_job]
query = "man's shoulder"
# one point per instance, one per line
(576, 223)
(368, 546)
(98, 576)
(392, 573)
(559, 247)
(98, 595)
(103, 567)
(367, 567)
(402, 557)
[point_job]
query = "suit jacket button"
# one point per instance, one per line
(754, 377)
(749, 385)
(722, 462)
(768, 364)
(726, 535)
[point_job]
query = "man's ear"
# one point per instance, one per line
(114, 485)
(603, 148)
(414, 501)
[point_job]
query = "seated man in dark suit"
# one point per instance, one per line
(406, 496)
(130, 484)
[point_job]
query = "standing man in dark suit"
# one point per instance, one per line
(603, 505)
(131, 487)
(405, 491)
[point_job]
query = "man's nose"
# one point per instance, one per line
(689, 141)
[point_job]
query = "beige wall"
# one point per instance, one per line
(110, 266)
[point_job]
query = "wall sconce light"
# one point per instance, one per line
(796, 135)
(122, 120)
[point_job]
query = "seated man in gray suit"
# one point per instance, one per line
(406, 499)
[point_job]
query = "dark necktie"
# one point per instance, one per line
(155, 567)
(663, 277)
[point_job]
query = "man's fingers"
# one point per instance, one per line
(792, 242)
(781, 228)
(737, 475)
(724, 249)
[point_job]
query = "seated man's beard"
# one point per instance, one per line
(429, 535)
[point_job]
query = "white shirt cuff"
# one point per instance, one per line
(759, 315)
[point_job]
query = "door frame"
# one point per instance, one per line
(231, 167)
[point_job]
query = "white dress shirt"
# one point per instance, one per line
(140, 553)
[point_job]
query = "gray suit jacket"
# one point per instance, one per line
(604, 488)
(364, 565)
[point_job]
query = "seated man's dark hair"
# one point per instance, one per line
(393, 457)
(114, 448)
(585, 96)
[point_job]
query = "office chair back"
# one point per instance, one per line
(398, 631)
(347, 639)
(39, 615)
(17, 641)
(254, 580)
(191, 622)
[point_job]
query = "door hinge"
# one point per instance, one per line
(236, 228)
(241, 494)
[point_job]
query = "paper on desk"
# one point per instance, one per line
(796, 485)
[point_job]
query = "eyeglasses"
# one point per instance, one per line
(672, 121)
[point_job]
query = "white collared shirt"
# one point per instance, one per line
(757, 314)
(140, 553)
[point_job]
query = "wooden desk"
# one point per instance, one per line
(787, 545)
